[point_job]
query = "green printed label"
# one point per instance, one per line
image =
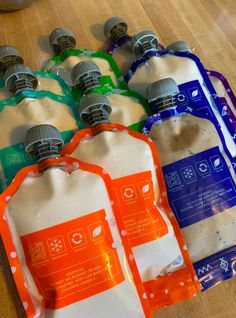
(57, 60)
(14, 158)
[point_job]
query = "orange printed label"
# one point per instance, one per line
(73, 260)
(142, 219)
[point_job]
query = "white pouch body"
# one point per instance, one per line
(16, 120)
(123, 155)
(64, 69)
(126, 110)
(200, 181)
(56, 198)
(183, 68)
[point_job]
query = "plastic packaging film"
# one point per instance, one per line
(141, 200)
(62, 41)
(174, 62)
(28, 107)
(86, 228)
(10, 58)
(128, 108)
(200, 175)
(138, 186)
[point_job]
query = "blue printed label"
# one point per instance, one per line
(191, 93)
(199, 186)
(228, 117)
(217, 267)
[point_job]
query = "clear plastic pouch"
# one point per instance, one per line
(45, 82)
(27, 109)
(63, 42)
(199, 172)
(128, 107)
(62, 242)
(227, 99)
(132, 162)
(183, 67)
(120, 42)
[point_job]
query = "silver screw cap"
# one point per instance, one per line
(114, 22)
(84, 68)
(9, 55)
(179, 46)
(93, 102)
(161, 89)
(39, 137)
(143, 38)
(16, 73)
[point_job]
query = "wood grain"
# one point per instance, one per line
(209, 26)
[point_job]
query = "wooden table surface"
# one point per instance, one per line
(208, 26)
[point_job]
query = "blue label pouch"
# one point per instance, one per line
(199, 172)
(183, 67)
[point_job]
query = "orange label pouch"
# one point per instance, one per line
(85, 246)
(149, 225)
(59, 230)
(141, 218)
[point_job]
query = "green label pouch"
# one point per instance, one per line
(27, 109)
(63, 64)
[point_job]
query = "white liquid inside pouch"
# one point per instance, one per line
(123, 155)
(182, 70)
(57, 199)
(16, 120)
(44, 83)
(65, 68)
(178, 138)
(126, 110)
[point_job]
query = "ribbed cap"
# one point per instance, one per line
(84, 68)
(59, 34)
(16, 72)
(179, 46)
(9, 55)
(8, 50)
(42, 135)
(142, 37)
(94, 101)
(114, 22)
(161, 89)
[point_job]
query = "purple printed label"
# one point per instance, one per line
(215, 99)
(199, 186)
(228, 117)
(191, 99)
(216, 268)
(226, 85)
(113, 46)
(191, 93)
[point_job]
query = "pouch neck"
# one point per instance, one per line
(117, 34)
(63, 45)
(97, 117)
(146, 47)
(22, 84)
(88, 82)
(162, 104)
(43, 151)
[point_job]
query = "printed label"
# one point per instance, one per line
(142, 219)
(228, 117)
(216, 268)
(191, 93)
(14, 158)
(74, 260)
(199, 186)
